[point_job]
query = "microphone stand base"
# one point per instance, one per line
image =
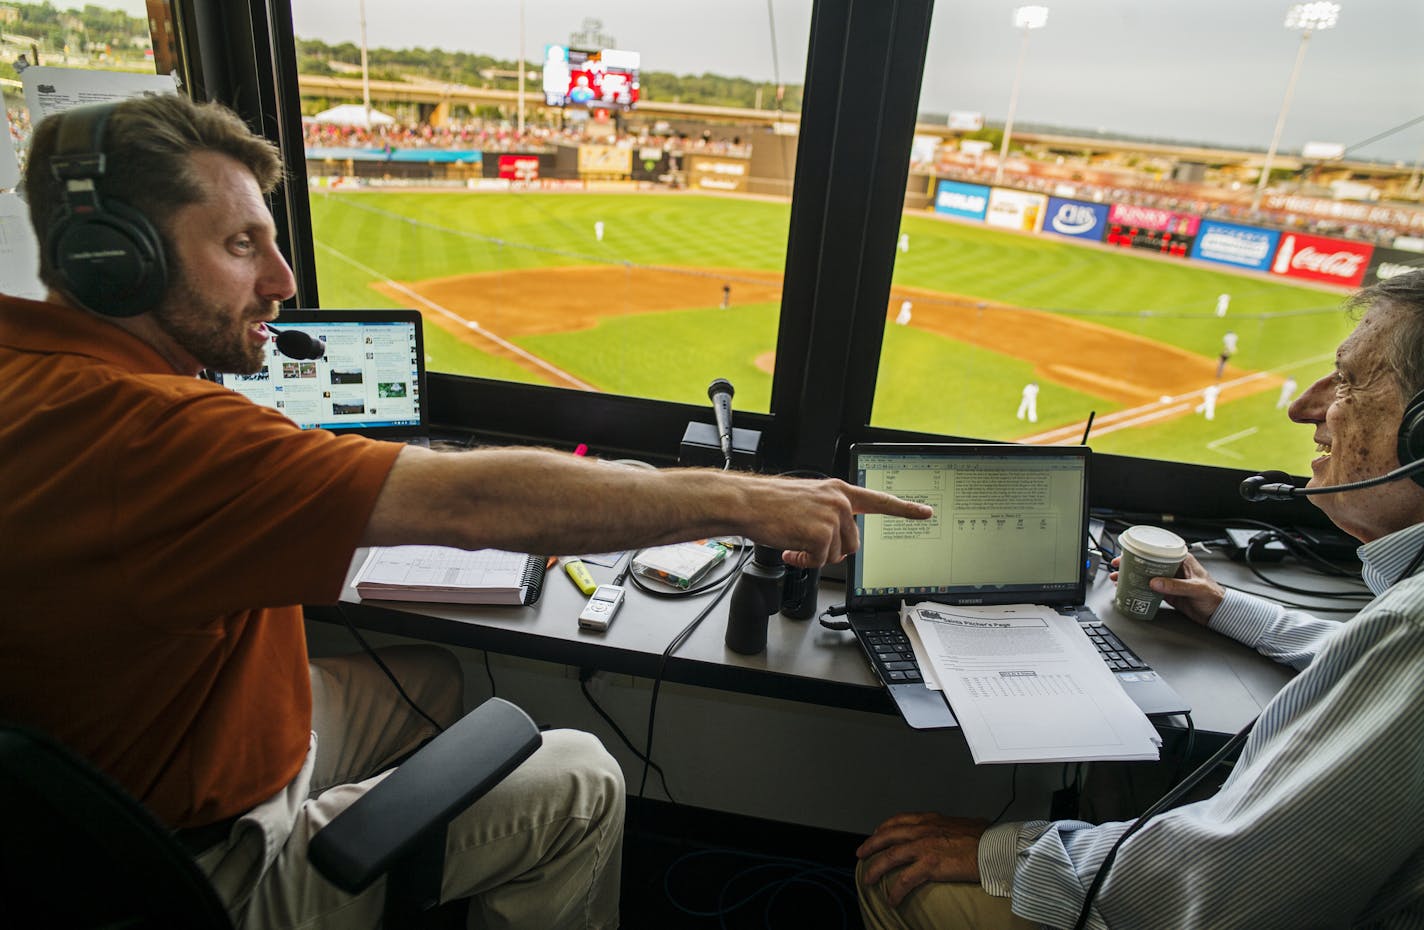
(702, 447)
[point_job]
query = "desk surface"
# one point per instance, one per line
(1226, 683)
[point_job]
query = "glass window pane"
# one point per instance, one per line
(53, 57)
(1120, 262)
(618, 224)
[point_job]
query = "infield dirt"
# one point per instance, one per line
(1082, 355)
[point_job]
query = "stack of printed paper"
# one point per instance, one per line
(1026, 685)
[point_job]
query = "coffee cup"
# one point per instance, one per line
(1146, 552)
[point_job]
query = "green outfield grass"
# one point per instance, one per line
(363, 238)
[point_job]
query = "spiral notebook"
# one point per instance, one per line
(445, 575)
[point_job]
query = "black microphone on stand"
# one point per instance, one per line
(720, 393)
(1275, 485)
(296, 344)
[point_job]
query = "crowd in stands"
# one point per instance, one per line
(499, 136)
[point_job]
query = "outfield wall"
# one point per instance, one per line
(1178, 235)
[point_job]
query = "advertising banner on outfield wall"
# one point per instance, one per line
(650, 163)
(1162, 231)
(959, 199)
(1241, 246)
(518, 167)
(1012, 209)
(1387, 263)
(605, 160)
(1129, 214)
(1316, 258)
(714, 173)
(1076, 218)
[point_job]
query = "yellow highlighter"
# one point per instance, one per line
(579, 573)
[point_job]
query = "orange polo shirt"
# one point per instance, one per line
(160, 533)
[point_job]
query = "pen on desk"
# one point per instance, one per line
(579, 575)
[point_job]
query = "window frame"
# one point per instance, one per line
(851, 174)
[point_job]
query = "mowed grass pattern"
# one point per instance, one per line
(926, 381)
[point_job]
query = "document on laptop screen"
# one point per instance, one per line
(998, 522)
(1027, 686)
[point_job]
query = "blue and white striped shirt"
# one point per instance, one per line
(1319, 824)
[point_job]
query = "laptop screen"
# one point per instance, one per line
(1010, 525)
(370, 378)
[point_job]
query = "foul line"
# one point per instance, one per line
(1157, 410)
(470, 324)
(1216, 444)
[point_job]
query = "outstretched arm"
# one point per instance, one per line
(535, 500)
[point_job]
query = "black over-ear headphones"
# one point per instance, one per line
(107, 254)
(1411, 435)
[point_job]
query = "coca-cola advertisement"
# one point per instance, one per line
(1315, 258)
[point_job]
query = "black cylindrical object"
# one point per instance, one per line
(755, 598)
(799, 593)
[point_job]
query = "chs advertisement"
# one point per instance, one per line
(1076, 218)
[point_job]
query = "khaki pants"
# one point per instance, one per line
(936, 906)
(542, 849)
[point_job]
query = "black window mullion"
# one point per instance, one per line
(852, 167)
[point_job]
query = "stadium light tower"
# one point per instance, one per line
(1026, 19)
(521, 70)
(1309, 18)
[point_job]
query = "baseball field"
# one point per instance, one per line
(623, 293)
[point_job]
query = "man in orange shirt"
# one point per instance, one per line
(165, 531)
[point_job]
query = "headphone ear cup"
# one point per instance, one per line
(111, 260)
(1411, 435)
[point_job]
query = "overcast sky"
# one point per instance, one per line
(1196, 70)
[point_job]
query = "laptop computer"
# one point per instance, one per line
(1010, 527)
(370, 378)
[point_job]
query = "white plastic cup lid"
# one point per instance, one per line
(1153, 542)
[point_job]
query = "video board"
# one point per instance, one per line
(575, 77)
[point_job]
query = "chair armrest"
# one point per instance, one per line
(423, 794)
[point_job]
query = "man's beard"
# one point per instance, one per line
(207, 333)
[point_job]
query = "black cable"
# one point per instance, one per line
(489, 673)
(385, 668)
(624, 565)
(1313, 608)
(1191, 744)
(1341, 595)
(1013, 795)
(1299, 548)
(677, 641)
(836, 881)
(1163, 803)
(598, 709)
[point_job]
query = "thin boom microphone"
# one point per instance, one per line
(296, 344)
(1274, 486)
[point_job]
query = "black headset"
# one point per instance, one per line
(1411, 435)
(108, 256)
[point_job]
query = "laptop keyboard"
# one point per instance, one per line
(1118, 657)
(893, 656)
(895, 659)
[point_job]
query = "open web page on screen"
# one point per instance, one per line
(999, 523)
(368, 377)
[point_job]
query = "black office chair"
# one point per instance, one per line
(77, 849)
